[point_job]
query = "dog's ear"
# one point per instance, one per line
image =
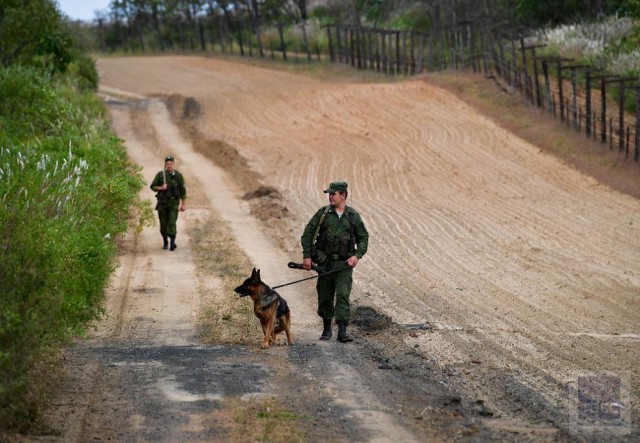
(258, 275)
(253, 273)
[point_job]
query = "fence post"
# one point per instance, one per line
(627, 144)
(560, 90)
(376, 36)
(383, 51)
(463, 59)
(547, 83)
(603, 117)
(431, 50)
(494, 56)
(223, 36)
(610, 134)
(372, 43)
(338, 44)
(524, 67)
(451, 44)
(332, 57)
(356, 48)
(473, 44)
(398, 52)
(588, 104)
(574, 98)
(240, 42)
(621, 117)
(536, 77)
(352, 47)
(420, 60)
(442, 49)
(366, 39)
(636, 153)
(514, 61)
(412, 45)
(504, 69)
(483, 49)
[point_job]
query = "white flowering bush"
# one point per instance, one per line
(37, 184)
(600, 44)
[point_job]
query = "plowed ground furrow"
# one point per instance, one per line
(471, 227)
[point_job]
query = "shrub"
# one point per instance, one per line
(66, 191)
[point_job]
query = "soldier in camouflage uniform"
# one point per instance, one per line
(335, 237)
(171, 193)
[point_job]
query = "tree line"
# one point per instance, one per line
(170, 24)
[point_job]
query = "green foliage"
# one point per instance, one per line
(66, 191)
(83, 68)
(630, 8)
(409, 20)
(31, 32)
(322, 14)
(373, 11)
(553, 12)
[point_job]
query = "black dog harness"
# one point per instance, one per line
(273, 297)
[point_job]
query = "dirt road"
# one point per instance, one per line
(511, 281)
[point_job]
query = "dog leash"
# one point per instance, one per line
(293, 265)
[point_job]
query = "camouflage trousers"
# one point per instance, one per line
(168, 216)
(334, 291)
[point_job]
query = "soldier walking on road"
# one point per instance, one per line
(171, 193)
(335, 238)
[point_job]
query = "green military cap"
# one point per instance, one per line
(336, 186)
(169, 158)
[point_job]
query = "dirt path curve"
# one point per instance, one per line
(145, 375)
(509, 278)
(271, 261)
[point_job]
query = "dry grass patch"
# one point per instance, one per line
(258, 419)
(225, 317)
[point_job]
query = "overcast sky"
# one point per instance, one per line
(82, 9)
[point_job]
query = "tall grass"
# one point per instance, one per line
(66, 189)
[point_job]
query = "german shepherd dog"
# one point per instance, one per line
(271, 309)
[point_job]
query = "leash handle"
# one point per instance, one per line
(318, 269)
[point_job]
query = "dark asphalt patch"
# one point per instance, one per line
(154, 391)
(197, 370)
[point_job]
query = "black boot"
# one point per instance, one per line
(343, 337)
(173, 243)
(166, 242)
(326, 332)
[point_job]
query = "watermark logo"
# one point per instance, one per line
(602, 404)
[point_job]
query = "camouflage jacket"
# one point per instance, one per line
(176, 191)
(343, 236)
